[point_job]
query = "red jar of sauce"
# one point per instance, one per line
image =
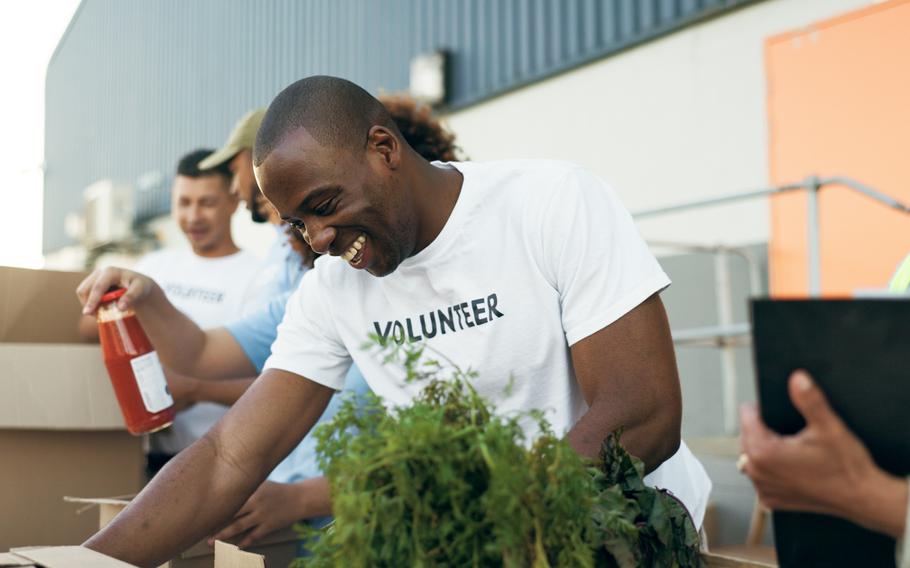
(133, 366)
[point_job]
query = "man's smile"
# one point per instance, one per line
(355, 253)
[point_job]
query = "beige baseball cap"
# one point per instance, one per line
(242, 137)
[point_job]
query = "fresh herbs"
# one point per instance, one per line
(447, 482)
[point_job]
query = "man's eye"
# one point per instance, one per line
(325, 208)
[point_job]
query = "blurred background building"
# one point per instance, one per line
(672, 101)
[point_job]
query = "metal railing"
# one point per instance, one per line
(727, 334)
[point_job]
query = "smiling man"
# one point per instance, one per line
(529, 270)
(211, 281)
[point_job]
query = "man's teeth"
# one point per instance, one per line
(355, 248)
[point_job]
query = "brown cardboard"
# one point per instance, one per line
(56, 386)
(719, 561)
(59, 557)
(229, 556)
(39, 306)
(278, 549)
(61, 430)
(41, 466)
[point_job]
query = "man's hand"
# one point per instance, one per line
(138, 287)
(202, 487)
(181, 344)
(277, 505)
(824, 468)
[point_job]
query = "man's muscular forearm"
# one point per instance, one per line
(187, 499)
(652, 441)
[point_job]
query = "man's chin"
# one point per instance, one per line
(380, 270)
(201, 244)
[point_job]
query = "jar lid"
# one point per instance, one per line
(113, 295)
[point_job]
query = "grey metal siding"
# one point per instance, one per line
(133, 85)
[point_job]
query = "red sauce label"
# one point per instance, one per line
(135, 373)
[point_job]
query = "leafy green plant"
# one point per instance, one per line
(448, 482)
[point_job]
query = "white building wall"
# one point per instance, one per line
(678, 119)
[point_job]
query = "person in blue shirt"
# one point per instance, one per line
(238, 350)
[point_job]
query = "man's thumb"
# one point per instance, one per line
(811, 401)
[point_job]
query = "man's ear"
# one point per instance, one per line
(386, 145)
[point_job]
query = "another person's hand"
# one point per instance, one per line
(138, 286)
(275, 506)
(824, 468)
(182, 388)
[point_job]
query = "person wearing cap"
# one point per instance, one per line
(281, 270)
(237, 153)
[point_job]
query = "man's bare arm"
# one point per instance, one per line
(181, 344)
(627, 373)
(187, 391)
(199, 491)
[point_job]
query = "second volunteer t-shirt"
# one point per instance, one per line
(211, 292)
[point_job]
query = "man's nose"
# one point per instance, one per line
(195, 212)
(320, 237)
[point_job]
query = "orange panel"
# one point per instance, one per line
(839, 104)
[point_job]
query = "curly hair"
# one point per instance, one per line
(421, 130)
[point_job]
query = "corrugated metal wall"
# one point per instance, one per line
(134, 85)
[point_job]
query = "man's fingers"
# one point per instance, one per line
(252, 537)
(238, 526)
(135, 289)
(85, 287)
(811, 401)
(101, 282)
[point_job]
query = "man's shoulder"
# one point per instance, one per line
(528, 166)
(159, 259)
(527, 177)
(246, 258)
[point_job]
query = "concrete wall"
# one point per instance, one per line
(677, 119)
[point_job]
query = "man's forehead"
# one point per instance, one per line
(299, 162)
(202, 184)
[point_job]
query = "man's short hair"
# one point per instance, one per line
(336, 112)
(188, 166)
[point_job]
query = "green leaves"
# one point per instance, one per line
(446, 482)
(642, 526)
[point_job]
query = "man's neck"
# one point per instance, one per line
(225, 249)
(437, 192)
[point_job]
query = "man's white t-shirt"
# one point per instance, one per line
(212, 292)
(535, 256)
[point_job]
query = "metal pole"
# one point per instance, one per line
(724, 293)
(720, 200)
(815, 286)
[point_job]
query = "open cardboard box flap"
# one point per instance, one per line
(226, 556)
(59, 557)
(39, 306)
(50, 379)
(108, 507)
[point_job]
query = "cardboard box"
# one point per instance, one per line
(61, 430)
(276, 550)
(39, 306)
(59, 557)
(719, 561)
(229, 556)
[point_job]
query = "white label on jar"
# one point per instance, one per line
(151, 382)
